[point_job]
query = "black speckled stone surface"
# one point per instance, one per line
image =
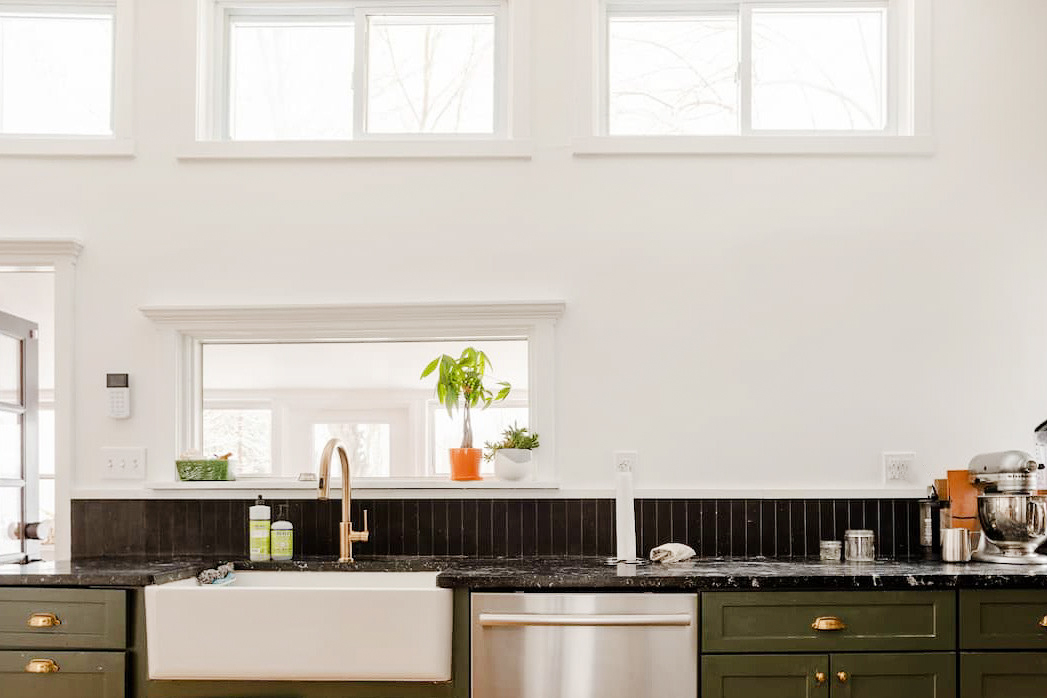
(569, 573)
(740, 575)
(99, 573)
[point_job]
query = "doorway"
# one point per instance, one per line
(27, 426)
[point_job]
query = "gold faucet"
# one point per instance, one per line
(346, 535)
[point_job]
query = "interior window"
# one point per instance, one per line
(56, 70)
(275, 405)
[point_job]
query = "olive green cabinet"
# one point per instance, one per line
(1011, 620)
(1003, 675)
(910, 675)
(63, 643)
(63, 618)
(835, 621)
(765, 676)
(62, 674)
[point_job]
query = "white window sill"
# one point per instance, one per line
(370, 149)
(754, 145)
(362, 483)
(49, 147)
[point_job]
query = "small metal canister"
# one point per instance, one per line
(859, 546)
(829, 550)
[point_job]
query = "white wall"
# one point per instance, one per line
(741, 321)
(31, 295)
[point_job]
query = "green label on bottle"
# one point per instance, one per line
(282, 542)
(259, 537)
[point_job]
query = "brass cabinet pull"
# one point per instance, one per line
(819, 678)
(842, 676)
(42, 666)
(43, 620)
(823, 623)
(1043, 622)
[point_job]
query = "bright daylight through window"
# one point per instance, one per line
(274, 406)
(288, 71)
(56, 69)
(730, 68)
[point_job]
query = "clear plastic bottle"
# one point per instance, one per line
(282, 537)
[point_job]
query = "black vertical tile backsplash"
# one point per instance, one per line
(738, 528)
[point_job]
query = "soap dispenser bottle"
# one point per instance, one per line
(259, 517)
(282, 535)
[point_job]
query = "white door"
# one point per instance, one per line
(19, 482)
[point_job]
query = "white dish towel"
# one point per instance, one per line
(672, 552)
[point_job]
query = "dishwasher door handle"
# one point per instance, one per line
(585, 620)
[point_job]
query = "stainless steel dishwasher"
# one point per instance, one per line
(535, 645)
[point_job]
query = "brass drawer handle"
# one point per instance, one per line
(43, 620)
(842, 676)
(824, 623)
(42, 666)
(819, 678)
(1043, 622)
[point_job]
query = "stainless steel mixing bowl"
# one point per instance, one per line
(1014, 523)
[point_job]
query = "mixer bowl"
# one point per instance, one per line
(1014, 523)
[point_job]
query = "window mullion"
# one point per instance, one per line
(745, 69)
(360, 52)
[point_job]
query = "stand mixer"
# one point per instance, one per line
(1013, 517)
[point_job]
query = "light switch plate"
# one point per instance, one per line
(123, 463)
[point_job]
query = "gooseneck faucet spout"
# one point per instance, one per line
(346, 535)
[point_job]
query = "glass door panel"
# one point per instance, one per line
(19, 487)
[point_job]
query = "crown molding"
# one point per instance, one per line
(374, 320)
(39, 251)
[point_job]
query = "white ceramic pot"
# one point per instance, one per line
(512, 464)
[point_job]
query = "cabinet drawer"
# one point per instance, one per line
(1008, 675)
(63, 618)
(1003, 620)
(782, 621)
(81, 674)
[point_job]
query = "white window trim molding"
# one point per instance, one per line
(184, 329)
(511, 139)
(120, 144)
(911, 26)
(456, 148)
(59, 256)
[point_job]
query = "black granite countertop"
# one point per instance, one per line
(109, 572)
(577, 573)
(742, 575)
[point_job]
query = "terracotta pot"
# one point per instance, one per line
(465, 463)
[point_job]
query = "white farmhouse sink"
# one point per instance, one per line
(302, 626)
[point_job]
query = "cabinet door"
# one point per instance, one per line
(893, 675)
(766, 676)
(1005, 675)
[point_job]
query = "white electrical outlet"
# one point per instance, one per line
(625, 461)
(898, 467)
(123, 463)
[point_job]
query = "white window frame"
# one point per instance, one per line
(185, 329)
(117, 144)
(908, 77)
(512, 74)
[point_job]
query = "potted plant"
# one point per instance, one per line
(460, 384)
(512, 455)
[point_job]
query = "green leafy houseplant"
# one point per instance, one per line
(460, 384)
(512, 437)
